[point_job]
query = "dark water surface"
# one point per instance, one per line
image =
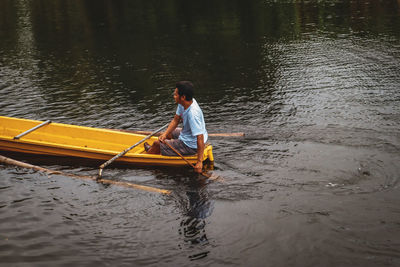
(315, 86)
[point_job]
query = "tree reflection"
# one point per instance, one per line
(85, 51)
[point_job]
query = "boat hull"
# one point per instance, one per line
(56, 139)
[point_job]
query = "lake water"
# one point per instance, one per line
(314, 85)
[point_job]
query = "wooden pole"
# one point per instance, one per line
(14, 162)
(239, 134)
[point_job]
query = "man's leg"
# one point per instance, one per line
(178, 145)
(155, 148)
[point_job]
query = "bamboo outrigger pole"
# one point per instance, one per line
(10, 161)
(238, 134)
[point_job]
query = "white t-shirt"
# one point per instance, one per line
(193, 124)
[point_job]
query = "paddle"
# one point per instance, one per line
(105, 164)
(209, 176)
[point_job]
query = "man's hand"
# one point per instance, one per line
(162, 137)
(172, 126)
(200, 150)
(198, 167)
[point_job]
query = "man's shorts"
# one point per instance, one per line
(179, 145)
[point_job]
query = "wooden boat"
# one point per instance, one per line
(57, 139)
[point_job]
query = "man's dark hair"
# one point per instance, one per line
(185, 88)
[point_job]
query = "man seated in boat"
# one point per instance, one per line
(191, 138)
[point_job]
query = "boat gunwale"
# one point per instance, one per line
(94, 150)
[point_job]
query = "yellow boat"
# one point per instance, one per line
(57, 139)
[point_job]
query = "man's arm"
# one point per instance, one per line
(171, 127)
(200, 152)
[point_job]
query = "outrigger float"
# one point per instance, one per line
(57, 139)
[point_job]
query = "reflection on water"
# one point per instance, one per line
(313, 84)
(196, 207)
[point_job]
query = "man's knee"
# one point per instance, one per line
(156, 143)
(155, 148)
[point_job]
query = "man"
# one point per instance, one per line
(191, 138)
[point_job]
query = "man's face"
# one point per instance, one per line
(177, 97)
